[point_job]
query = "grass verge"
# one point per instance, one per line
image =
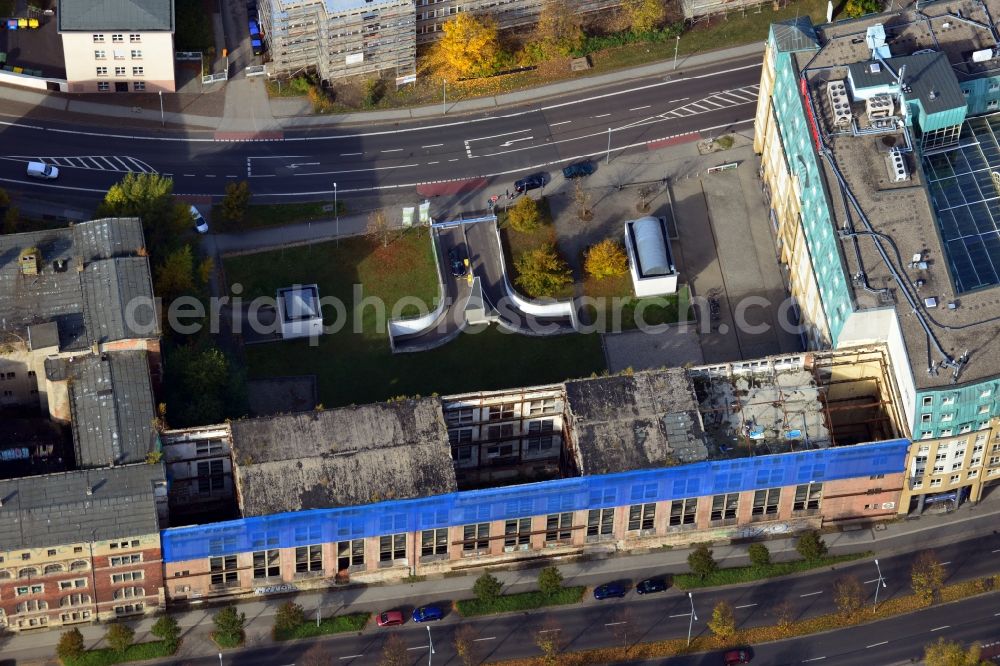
(734, 575)
(509, 603)
(137, 652)
(360, 349)
(627, 312)
(761, 634)
(263, 216)
(331, 625)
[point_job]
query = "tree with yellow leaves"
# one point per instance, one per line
(469, 47)
(559, 29)
(606, 259)
(645, 15)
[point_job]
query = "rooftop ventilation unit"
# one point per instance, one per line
(897, 166)
(879, 106)
(982, 55)
(874, 67)
(837, 92)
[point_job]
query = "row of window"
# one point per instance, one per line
(117, 38)
(52, 552)
(137, 86)
(501, 412)
(32, 572)
(120, 71)
(118, 54)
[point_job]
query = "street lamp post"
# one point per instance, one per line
(692, 618)
(220, 659)
(444, 97)
(677, 46)
(430, 647)
(317, 616)
(607, 158)
(879, 583)
(162, 122)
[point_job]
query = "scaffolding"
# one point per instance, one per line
(287, 530)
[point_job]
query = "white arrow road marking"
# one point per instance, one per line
(508, 144)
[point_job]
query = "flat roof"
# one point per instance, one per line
(903, 212)
(634, 421)
(55, 509)
(342, 457)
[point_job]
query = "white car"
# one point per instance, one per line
(200, 225)
(42, 170)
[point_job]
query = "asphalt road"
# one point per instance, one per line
(504, 145)
(667, 615)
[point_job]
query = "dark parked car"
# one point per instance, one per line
(392, 618)
(427, 613)
(609, 591)
(578, 170)
(734, 657)
(456, 262)
(651, 585)
(532, 182)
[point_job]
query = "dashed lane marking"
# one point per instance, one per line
(876, 644)
(811, 594)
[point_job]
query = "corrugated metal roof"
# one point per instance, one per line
(144, 15)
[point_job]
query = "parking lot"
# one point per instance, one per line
(38, 49)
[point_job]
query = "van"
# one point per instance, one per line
(42, 170)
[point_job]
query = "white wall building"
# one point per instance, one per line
(650, 260)
(299, 312)
(118, 45)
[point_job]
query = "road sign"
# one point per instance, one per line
(425, 212)
(408, 216)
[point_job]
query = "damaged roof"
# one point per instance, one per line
(342, 457)
(627, 422)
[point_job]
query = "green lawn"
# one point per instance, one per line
(654, 310)
(107, 656)
(260, 216)
(330, 625)
(359, 367)
(749, 574)
(509, 603)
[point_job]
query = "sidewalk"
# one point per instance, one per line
(246, 97)
(898, 537)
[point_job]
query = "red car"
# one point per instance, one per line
(735, 657)
(392, 618)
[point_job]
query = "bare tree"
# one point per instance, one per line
(394, 652)
(849, 596)
(784, 615)
(378, 227)
(646, 192)
(316, 655)
(550, 641)
(583, 200)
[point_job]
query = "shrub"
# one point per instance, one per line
(288, 617)
(229, 624)
(760, 556)
(606, 259)
(701, 561)
(487, 588)
(811, 545)
(856, 8)
(524, 215)
(119, 637)
(166, 629)
(234, 204)
(550, 580)
(723, 622)
(70, 645)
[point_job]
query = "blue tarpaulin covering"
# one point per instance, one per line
(299, 528)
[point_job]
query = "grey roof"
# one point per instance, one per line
(627, 422)
(54, 509)
(795, 34)
(342, 457)
(43, 336)
(153, 15)
(109, 289)
(111, 403)
(928, 75)
(87, 305)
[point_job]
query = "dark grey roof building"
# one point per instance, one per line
(342, 457)
(111, 403)
(637, 421)
(83, 279)
(77, 507)
(141, 15)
